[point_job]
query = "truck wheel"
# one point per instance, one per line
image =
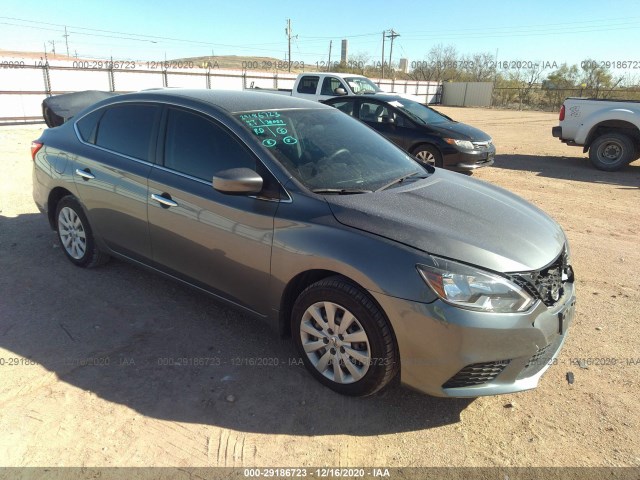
(611, 151)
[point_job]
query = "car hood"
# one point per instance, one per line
(457, 217)
(460, 131)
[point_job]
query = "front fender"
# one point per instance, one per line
(375, 263)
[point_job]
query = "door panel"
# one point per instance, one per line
(218, 241)
(116, 201)
(111, 174)
(222, 242)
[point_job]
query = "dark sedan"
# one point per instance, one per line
(433, 138)
(304, 217)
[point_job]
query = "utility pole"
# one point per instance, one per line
(288, 32)
(53, 46)
(392, 35)
(384, 33)
(66, 39)
(329, 63)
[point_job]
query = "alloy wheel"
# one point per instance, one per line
(335, 342)
(426, 157)
(72, 233)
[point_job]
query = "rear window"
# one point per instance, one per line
(127, 129)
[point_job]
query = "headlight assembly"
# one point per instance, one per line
(465, 144)
(474, 289)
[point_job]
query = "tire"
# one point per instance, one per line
(428, 155)
(368, 362)
(611, 151)
(75, 234)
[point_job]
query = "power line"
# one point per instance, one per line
(518, 28)
(130, 36)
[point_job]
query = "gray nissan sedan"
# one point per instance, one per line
(290, 210)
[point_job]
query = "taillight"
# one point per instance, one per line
(562, 113)
(35, 148)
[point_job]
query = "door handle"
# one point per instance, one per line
(164, 201)
(85, 174)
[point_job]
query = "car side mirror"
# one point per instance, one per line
(237, 181)
(340, 91)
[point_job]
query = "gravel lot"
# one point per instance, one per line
(84, 379)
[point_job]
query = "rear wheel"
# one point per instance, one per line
(344, 339)
(428, 155)
(611, 151)
(75, 234)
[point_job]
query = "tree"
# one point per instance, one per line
(479, 67)
(595, 77)
(440, 64)
(560, 84)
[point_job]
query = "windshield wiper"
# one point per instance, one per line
(400, 180)
(339, 191)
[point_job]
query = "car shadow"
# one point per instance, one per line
(137, 339)
(570, 168)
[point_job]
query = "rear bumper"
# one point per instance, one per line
(450, 352)
(556, 132)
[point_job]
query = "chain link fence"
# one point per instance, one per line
(23, 89)
(537, 97)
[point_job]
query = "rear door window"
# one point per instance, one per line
(372, 112)
(308, 84)
(128, 129)
(345, 106)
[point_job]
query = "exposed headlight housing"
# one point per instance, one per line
(464, 144)
(474, 289)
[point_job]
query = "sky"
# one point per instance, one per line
(540, 30)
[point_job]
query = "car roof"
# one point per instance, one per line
(229, 100)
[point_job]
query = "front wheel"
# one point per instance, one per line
(344, 339)
(428, 155)
(75, 234)
(611, 151)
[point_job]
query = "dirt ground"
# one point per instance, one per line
(85, 380)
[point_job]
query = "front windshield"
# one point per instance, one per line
(419, 112)
(328, 150)
(362, 85)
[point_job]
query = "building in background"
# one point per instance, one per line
(343, 51)
(404, 65)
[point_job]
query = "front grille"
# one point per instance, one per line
(547, 284)
(477, 374)
(540, 359)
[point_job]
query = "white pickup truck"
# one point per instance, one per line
(324, 85)
(608, 129)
